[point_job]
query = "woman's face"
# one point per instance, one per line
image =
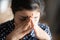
(20, 15)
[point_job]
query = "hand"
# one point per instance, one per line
(40, 33)
(20, 31)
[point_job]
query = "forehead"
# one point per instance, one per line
(27, 13)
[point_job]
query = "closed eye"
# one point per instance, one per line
(22, 18)
(35, 17)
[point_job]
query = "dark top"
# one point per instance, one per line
(8, 27)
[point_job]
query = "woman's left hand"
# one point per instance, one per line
(40, 33)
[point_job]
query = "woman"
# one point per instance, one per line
(25, 25)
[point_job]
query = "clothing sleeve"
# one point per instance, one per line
(5, 29)
(46, 29)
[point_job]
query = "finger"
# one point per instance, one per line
(22, 34)
(23, 23)
(23, 27)
(37, 30)
(27, 23)
(27, 26)
(32, 24)
(27, 31)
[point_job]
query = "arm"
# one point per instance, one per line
(20, 31)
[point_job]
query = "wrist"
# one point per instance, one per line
(10, 36)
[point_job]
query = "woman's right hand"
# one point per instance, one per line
(20, 31)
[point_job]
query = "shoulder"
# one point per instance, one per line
(43, 26)
(6, 24)
(5, 29)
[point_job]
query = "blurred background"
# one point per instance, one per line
(51, 15)
(5, 11)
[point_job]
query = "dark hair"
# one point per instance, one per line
(24, 4)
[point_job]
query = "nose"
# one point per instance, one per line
(31, 16)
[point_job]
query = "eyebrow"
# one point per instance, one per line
(24, 16)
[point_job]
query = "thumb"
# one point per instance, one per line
(36, 28)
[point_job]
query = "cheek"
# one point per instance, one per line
(16, 20)
(36, 20)
(38, 17)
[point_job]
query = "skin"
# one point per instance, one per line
(24, 27)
